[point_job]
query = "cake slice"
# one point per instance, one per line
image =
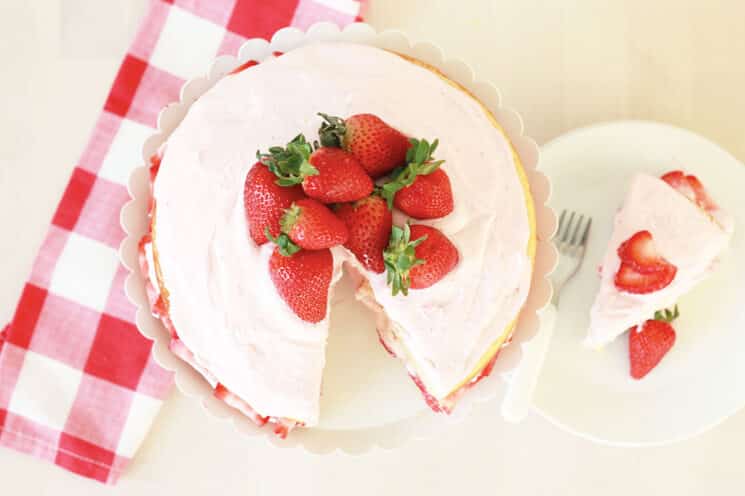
(666, 239)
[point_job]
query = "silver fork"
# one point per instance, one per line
(570, 239)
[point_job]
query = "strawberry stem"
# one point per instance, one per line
(667, 315)
(419, 162)
(400, 258)
(290, 164)
(332, 130)
(286, 247)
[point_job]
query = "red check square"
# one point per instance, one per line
(260, 19)
(27, 313)
(78, 189)
(118, 343)
(126, 83)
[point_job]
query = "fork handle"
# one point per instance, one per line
(519, 397)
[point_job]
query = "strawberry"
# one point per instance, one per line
(340, 177)
(702, 196)
(379, 147)
(692, 188)
(629, 280)
(311, 225)
(420, 263)
(329, 175)
(302, 280)
(420, 189)
(428, 197)
(369, 222)
(648, 345)
(265, 202)
(640, 253)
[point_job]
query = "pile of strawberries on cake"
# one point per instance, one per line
(307, 197)
(643, 270)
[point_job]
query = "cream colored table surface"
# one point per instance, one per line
(561, 64)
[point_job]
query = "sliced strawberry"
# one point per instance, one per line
(641, 254)
(678, 180)
(702, 196)
(629, 280)
(648, 346)
(691, 187)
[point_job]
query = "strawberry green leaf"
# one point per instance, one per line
(286, 247)
(400, 257)
(332, 130)
(290, 164)
(667, 315)
(419, 162)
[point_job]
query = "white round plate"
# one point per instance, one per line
(702, 379)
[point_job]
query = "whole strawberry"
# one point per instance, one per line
(379, 147)
(311, 225)
(420, 263)
(265, 202)
(340, 177)
(303, 280)
(649, 344)
(369, 222)
(420, 189)
(329, 175)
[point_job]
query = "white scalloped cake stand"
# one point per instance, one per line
(368, 400)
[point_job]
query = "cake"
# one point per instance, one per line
(209, 280)
(667, 238)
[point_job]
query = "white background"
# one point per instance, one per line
(560, 64)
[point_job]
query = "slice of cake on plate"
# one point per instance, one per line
(667, 237)
(243, 254)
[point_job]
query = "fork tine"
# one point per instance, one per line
(586, 234)
(561, 224)
(568, 228)
(576, 230)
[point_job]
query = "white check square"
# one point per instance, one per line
(142, 412)
(45, 391)
(85, 271)
(187, 45)
(125, 152)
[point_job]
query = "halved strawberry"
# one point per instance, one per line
(649, 345)
(641, 254)
(691, 187)
(702, 196)
(629, 280)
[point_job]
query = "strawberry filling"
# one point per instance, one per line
(446, 404)
(159, 308)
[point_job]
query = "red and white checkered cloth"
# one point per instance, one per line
(78, 385)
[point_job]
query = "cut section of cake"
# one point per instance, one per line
(230, 315)
(667, 237)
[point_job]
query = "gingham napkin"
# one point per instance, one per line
(78, 386)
